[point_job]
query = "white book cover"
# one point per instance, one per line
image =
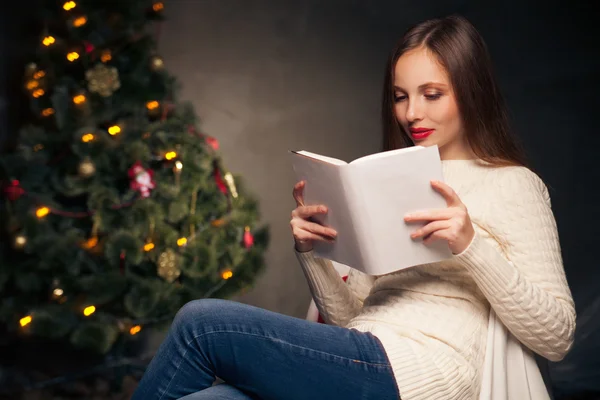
(367, 200)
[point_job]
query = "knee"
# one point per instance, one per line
(199, 312)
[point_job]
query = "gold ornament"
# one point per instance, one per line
(156, 63)
(167, 266)
(103, 80)
(86, 168)
(19, 242)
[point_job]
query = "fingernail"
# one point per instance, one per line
(323, 209)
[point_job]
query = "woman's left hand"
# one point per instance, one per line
(452, 224)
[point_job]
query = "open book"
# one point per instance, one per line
(367, 200)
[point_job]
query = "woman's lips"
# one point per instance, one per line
(420, 133)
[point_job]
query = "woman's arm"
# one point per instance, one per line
(337, 301)
(527, 287)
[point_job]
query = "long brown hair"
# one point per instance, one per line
(463, 53)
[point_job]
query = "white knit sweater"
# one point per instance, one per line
(432, 319)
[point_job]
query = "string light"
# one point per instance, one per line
(58, 292)
(39, 74)
(69, 5)
(80, 21)
(152, 105)
(38, 93)
(48, 41)
(178, 165)
(106, 56)
(135, 329)
(227, 274)
(25, 321)
(88, 137)
(42, 212)
(48, 112)
(158, 6)
(170, 155)
(72, 56)
(91, 242)
(38, 147)
(181, 241)
(114, 130)
(89, 310)
(148, 246)
(79, 99)
(32, 84)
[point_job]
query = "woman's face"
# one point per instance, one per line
(425, 105)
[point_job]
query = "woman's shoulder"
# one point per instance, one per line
(518, 183)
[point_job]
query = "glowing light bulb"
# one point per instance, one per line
(114, 130)
(69, 5)
(42, 212)
(89, 310)
(227, 274)
(48, 41)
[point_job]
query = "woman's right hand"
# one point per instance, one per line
(304, 229)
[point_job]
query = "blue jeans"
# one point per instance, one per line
(262, 355)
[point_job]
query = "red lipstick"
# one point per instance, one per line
(420, 133)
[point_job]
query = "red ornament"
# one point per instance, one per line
(319, 319)
(142, 179)
(212, 142)
(14, 190)
(248, 238)
(88, 47)
(219, 180)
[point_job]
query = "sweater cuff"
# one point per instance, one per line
(487, 266)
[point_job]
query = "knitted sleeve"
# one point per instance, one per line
(526, 286)
(337, 301)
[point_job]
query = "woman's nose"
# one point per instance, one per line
(413, 112)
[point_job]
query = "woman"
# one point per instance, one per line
(419, 333)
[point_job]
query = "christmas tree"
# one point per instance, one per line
(118, 209)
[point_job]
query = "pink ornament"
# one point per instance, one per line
(142, 179)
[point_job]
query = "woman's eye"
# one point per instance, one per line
(433, 96)
(399, 97)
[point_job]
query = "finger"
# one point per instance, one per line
(306, 212)
(429, 215)
(298, 193)
(449, 194)
(304, 235)
(437, 235)
(315, 228)
(430, 228)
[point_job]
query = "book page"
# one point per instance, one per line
(316, 156)
(385, 154)
(391, 188)
(325, 185)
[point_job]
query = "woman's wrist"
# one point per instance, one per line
(303, 246)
